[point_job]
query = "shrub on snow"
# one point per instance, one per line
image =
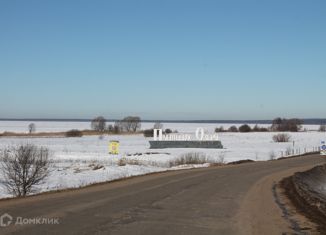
(74, 133)
(281, 138)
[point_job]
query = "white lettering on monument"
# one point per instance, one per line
(199, 136)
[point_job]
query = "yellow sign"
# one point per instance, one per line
(114, 147)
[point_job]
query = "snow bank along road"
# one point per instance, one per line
(226, 200)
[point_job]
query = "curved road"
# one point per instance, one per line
(218, 200)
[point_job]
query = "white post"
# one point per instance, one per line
(160, 134)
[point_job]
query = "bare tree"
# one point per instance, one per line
(322, 128)
(295, 124)
(158, 125)
(277, 124)
(131, 124)
(31, 128)
(24, 167)
(98, 124)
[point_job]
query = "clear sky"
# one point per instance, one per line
(168, 59)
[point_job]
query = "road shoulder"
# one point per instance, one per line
(266, 210)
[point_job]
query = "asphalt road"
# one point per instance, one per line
(217, 200)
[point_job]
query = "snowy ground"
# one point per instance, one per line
(76, 159)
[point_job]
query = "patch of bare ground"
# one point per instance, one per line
(306, 195)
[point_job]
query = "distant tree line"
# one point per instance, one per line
(132, 124)
(243, 128)
(282, 124)
(278, 125)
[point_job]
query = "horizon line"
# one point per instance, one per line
(249, 121)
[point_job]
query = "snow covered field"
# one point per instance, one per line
(82, 161)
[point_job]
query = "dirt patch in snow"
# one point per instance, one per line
(307, 192)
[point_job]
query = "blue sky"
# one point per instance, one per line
(163, 59)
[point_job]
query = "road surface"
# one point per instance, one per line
(224, 200)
